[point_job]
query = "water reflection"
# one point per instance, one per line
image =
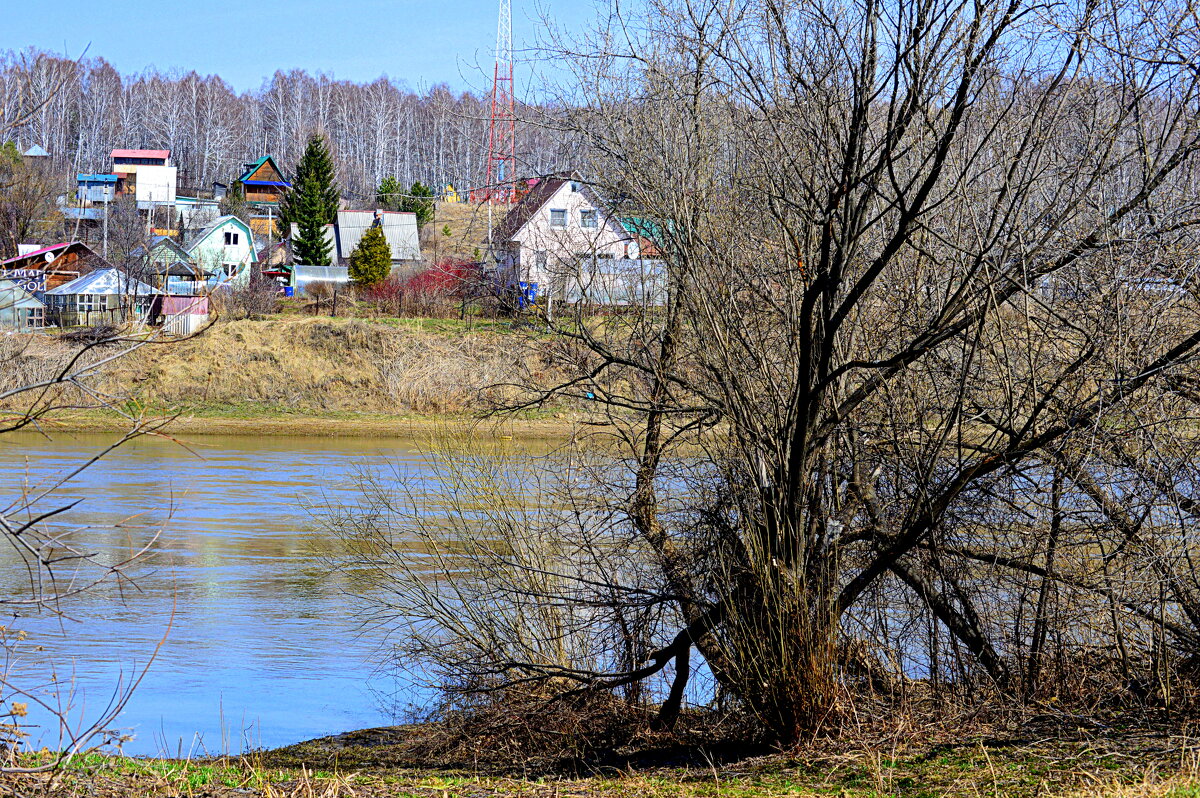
(263, 646)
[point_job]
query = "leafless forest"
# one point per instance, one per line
(375, 130)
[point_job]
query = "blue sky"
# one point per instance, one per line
(419, 41)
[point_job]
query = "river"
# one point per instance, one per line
(262, 647)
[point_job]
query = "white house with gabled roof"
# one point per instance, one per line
(225, 248)
(558, 224)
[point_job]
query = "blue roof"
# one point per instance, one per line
(266, 183)
(91, 214)
(96, 178)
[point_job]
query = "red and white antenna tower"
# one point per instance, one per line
(502, 130)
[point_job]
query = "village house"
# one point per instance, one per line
(43, 268)
(93, 189)
(557, 224)
(263, 184)
(226, 249)
(147, 175)
(167, 266)
(399, 229)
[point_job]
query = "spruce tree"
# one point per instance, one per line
(371, 260)
(311, 204)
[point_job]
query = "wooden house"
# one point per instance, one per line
(49, 267)
(90, 189)
(263, 182)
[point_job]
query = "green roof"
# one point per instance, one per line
(646, 228)
(254, 167)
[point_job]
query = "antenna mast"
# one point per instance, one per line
(502, 129)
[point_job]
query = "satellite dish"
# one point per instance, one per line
(49, 256)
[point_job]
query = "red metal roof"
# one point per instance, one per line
(163, 154)
(41, 251)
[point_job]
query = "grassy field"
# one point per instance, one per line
(1140, 766)
(305, 375)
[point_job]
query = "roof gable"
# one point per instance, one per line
(37, 257)
(217, 225)
(159, 244)
(264, 170)
(14, 296)
(545, 190)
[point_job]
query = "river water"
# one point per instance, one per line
(262, 644)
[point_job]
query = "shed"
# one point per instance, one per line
(103, 296)
(184, 315)
(19, 309)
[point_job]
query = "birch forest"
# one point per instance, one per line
(378, 129)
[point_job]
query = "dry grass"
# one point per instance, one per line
(322, 365)
(468, 230)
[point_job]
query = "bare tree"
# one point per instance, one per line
(928, 338)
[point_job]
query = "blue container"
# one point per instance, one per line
(289, 290)
(526, 294)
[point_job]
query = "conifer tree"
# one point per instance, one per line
(371, 260)
(389, 194)
(311, 204)
(419, 202)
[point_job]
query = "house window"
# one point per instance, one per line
(539, 259)
(587, 218)
(231, 239)
(558, 217)
(230, 268)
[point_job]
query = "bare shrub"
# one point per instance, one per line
(257, 298)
